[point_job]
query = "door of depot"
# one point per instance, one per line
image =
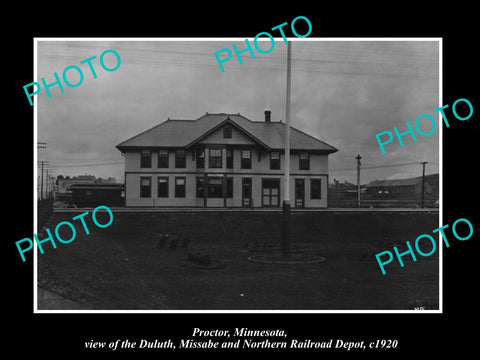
(246, 192)
(270, 192)
(300, 193)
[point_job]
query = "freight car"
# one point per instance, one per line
(92, 195)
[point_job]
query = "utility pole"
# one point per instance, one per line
(42, 164)
(422, 203)
(358, 179)
(41, 145)
(48, 185)
(285, 240)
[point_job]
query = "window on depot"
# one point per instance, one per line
(229, 158)
(200, 158)
(215, 187)
(304, 161)
(145, 187)
(146, 159)
(162, 187)
(227, 132)
(180, 161)
(163, 158)
(180, 187)
(215, 158)
(246, 159)
(316, 189)
(275, 160)
(200, 187)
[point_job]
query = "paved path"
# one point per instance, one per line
(48, 300)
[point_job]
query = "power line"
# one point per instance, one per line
(381, 166)
(91, 164)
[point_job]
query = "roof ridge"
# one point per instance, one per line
(226, 114)
(179, 120)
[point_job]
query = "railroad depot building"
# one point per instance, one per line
(223, 160)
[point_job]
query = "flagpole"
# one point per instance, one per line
(285, 241)
(287, 128)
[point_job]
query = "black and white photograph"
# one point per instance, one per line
(216, 180)
(191, 160)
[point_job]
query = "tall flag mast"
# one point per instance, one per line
(285, 241)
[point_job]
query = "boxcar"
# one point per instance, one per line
(92, 195)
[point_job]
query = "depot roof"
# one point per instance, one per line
(186, 133)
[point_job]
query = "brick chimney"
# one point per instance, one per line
(267, 115)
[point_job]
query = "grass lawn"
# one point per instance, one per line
(122, 267)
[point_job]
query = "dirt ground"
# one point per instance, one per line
(126, 266)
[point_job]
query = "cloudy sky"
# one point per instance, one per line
(343, 92)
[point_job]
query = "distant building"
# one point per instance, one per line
(223, 160)
(404, 188)
(64, 183)
(110, 180)
(339, 191)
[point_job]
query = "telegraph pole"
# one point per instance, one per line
(42, 163)
(358, 179)
(285, 241)
(41, 145)
(422, 203)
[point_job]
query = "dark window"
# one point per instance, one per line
(163, 187)
(163, 158)
(315, 188)
(199, 187)
(274, 160)
(180, 158)
(229, 187)
(229, 158)
(246, 159)
(215, 158)
(145, 187)
(200, 158)
(180, 187)
(304, 161)
(215, 187)
(227, 132)
(146, 159)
